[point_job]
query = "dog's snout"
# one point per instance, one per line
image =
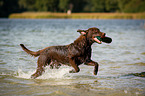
(103, 35)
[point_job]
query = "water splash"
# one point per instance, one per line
(22, 74)
(62, 73)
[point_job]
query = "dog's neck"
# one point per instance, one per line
(82, 41)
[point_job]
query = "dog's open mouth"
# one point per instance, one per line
(99, 39)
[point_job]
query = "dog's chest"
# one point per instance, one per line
(85, 56)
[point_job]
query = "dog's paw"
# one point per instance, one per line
(72, 71)
(95, 73)
(51, 67)
(33, 76)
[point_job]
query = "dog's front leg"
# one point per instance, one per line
(75, 66)
(93, 63)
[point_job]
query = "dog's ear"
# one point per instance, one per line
(82, 32)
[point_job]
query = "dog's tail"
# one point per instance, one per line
(35, 54)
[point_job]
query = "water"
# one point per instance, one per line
(118, 61)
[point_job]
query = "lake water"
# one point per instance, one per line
(119, 61)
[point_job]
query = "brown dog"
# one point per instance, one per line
(73, 54)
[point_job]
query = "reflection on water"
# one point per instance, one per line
(122, 63)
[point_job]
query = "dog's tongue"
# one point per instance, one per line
(98, 39)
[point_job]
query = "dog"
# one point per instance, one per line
(74, 54)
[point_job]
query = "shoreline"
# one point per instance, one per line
(49, 15)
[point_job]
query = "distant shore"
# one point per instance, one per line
(49, 15)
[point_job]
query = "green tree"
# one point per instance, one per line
(122, 3)
(74, 5)
(64, 5)
(39, 5)
(135, 6)
(131, 6)
(28, 4)
(46, 5)
(53, 5)
(98, 5)
(78, 5)
(87, 6)
(8, 6)
(111, 5)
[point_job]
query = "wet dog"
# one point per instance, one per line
(73, 54)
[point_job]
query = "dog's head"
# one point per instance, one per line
(95, 35)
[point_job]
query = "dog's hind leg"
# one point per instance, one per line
(41, 63)
(38, 72)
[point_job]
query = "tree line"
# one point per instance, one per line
(122, 6)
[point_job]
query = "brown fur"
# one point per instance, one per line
(73, 54)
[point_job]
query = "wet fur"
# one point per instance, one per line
(73, 54)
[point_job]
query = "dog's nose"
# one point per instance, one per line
(103, 35)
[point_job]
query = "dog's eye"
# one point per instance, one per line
(96, 32)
